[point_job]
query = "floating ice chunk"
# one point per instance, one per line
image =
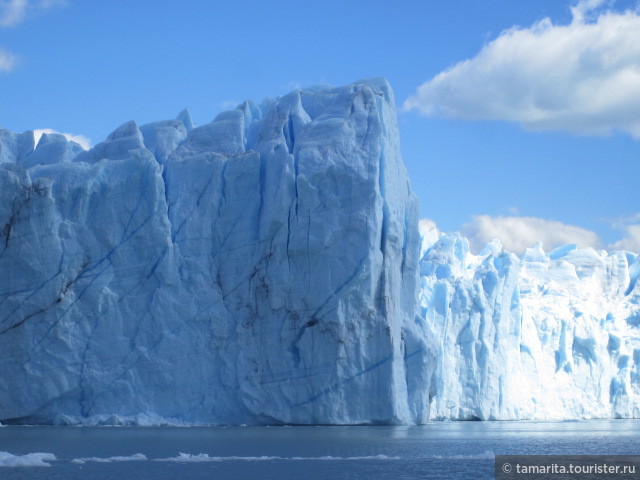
(204, 457)
(28, 460)
(138, 457)
(486, 455)
(188, 458)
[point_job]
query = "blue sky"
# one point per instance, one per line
(534, 136)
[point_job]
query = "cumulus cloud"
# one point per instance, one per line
(80, 139)
(631, 240)
(583, 77)
(518, 233)
(630, 227)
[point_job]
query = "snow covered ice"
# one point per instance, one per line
(261, 268)
(548, 336)
(267, 267)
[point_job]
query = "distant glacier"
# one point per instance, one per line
(268, 268)
(548, 336)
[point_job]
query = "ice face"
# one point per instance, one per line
(543, 337)
(267, 268)
(261, 268)
(15, 147)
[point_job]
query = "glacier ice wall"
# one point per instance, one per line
(267, 268)
(545, 336)
(261, 268)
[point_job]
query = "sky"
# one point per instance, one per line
(519, 119)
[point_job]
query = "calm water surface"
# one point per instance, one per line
(441, 451)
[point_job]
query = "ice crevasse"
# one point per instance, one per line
(267, 268)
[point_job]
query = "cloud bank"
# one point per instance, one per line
(518, 233)
(583, 77)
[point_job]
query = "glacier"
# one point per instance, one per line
(269, 267)
(547, 336)
(259, 269)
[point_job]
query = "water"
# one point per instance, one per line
(456, 450)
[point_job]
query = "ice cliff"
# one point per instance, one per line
(261, 268)
(267, 268)
(545, 336)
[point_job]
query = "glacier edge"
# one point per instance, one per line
(261, 268)
(268, 268)
(542, 337)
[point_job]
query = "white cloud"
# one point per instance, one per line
(583, 77)
(14, 12)
(7, 61)
(518, 233)
(631, 240)
(80, 139)
(630, 226)
(584, 8)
